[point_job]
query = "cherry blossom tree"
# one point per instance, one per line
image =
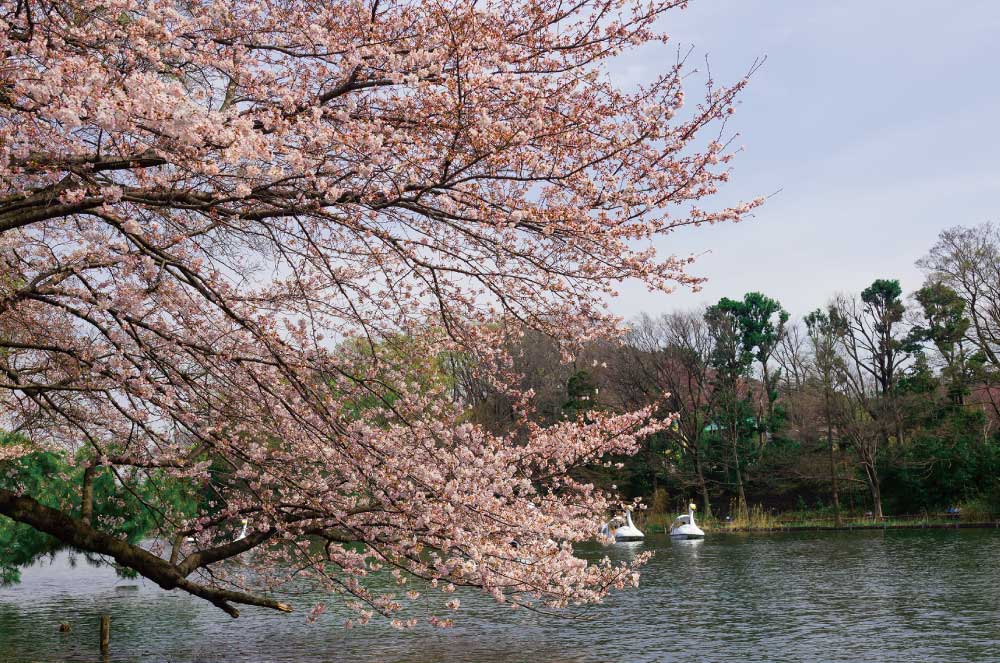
(235, 234)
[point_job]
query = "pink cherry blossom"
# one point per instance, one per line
(241, 234)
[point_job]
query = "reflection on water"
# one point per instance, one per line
(910, 596)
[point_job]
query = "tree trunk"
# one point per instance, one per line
(87, 495)
(767, 409)
(706, 504)
(837, 521)
(741, 503)
(744, 505)
(872, 479)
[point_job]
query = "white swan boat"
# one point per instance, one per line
(627, 532)
(684, 526)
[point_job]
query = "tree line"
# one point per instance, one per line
(890, 399)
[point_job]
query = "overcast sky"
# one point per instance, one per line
(875, 119)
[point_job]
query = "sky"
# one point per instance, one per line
(872, 121)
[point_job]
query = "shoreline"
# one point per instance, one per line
(843, 528)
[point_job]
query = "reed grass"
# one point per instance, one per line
(756, 518)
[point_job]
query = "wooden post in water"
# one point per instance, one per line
(105, 633)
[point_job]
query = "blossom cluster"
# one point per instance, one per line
(237, 234)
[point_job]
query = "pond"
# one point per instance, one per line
(910, 595)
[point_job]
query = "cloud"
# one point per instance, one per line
(873, 119)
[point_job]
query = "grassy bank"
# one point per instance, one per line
(759, 520)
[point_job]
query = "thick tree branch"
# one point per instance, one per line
(82, 536)
(203, 558)
(87, 495)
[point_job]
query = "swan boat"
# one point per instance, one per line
(684, 526)
(627, 532)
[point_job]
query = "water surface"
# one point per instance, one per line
(915, 596)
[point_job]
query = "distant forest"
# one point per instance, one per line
(882, 401)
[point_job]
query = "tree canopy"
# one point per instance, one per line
(205, 205)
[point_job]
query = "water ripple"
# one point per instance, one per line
(907, 596)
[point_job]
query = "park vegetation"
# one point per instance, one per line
(872, 404)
